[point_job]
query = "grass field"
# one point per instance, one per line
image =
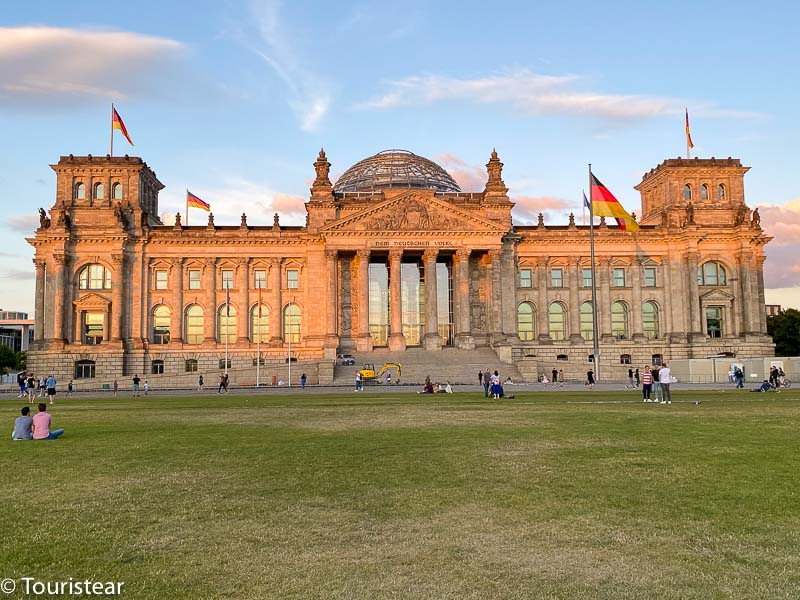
(555, 495)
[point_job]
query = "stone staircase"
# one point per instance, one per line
(449, 364)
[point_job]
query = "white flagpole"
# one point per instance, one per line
(595, 328)
(227, 322)
(258, 341)
(289, 333)
(111, 150)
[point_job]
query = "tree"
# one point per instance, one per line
(785, 331)
(6, 358)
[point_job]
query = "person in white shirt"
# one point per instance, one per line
(665, 377)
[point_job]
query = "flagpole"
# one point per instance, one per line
(187, 207)
(227, 322)
(111, 151)
(258, 341)
(595, 328)
(289, 335)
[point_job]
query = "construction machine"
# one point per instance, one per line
(368, 373)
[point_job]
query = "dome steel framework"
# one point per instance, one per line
(395, 169)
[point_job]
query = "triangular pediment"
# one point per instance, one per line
(92, 302)
(716, 296)
(414, 212)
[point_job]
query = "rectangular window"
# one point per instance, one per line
(649, 277)
(194, 279)
(619, 277)
(260, 279)
(556, 278)
(525, 280)
(587, 278)
(191, 365)
(714, 321)
(93, 327)
(161, 279)
(292, 280)
(227, 279)
(222, 363)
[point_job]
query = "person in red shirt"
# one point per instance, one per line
(647, 384)
(41, 425)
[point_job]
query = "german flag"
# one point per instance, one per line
(688, 134)
(192, 200)
(604, 204)
(116, 123)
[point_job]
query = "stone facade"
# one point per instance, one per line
(118, 292)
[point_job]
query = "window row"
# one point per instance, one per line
(687, 192)
(227, 322)
(161, 279)
(709, 273)
(99, 191)
(558, 326)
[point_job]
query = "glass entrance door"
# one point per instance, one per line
(379, 304)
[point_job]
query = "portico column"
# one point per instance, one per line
(276, 310)
(464, 339)
(332, 305)
(116, 297)
(694, 293)
(38, 326)
(432, 341)
(496, 309)
(364, 339)
(58, 303)
(397, 341)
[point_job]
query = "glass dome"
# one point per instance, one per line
(395, 169)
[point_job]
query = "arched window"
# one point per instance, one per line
(80, 191)
(259, 324)
(720, 192)
(704, 192)
(84, 369)
(557, 318)
(687, 192)
(116, 191)
(711, 273)
(95, 277)
(194, 325)
(226, 324)
(619, 320)
(161, 323)
(291, 323)
(99, 191)
(650, 320)
(526, 321)
(587, 321)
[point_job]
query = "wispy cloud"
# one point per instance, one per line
(19, 274)
(266, 35)
(26, 224)
(527, 208)
(59, 67)
(533, 93)
(782, 221)
(469, 177)
(237, 195)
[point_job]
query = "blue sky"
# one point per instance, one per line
(234, 99)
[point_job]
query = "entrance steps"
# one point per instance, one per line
(449, 364)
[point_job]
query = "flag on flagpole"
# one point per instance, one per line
(689, 143)
(604, 204)
(586, 201)
(116, 123)
(192, 200)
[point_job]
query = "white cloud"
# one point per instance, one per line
(233, 197)
(59, 67)
(26, 224)
(533, 93)
(267, 37)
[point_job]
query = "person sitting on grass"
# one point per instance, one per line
(23, 426)
(766, 386)
(428, 389)
(41, 425)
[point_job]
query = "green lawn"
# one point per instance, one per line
(407, 496)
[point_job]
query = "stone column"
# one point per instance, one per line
(737, 325)
(397, 341)
(117, 281)
(759, 277)
(693, 300)
(665, 303)
(432, 340)
(542, 321)
(680, 324)
(496, 308)
(210, 309)
(604, 298)
(58, 303)
(637, 329)
(176, 320)
(573, 280)
(276, 310)
(361, 301)
(39, 324)
(332, 305)
(464, 339)
(243, 311)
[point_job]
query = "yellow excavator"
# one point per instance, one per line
(368, 372)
